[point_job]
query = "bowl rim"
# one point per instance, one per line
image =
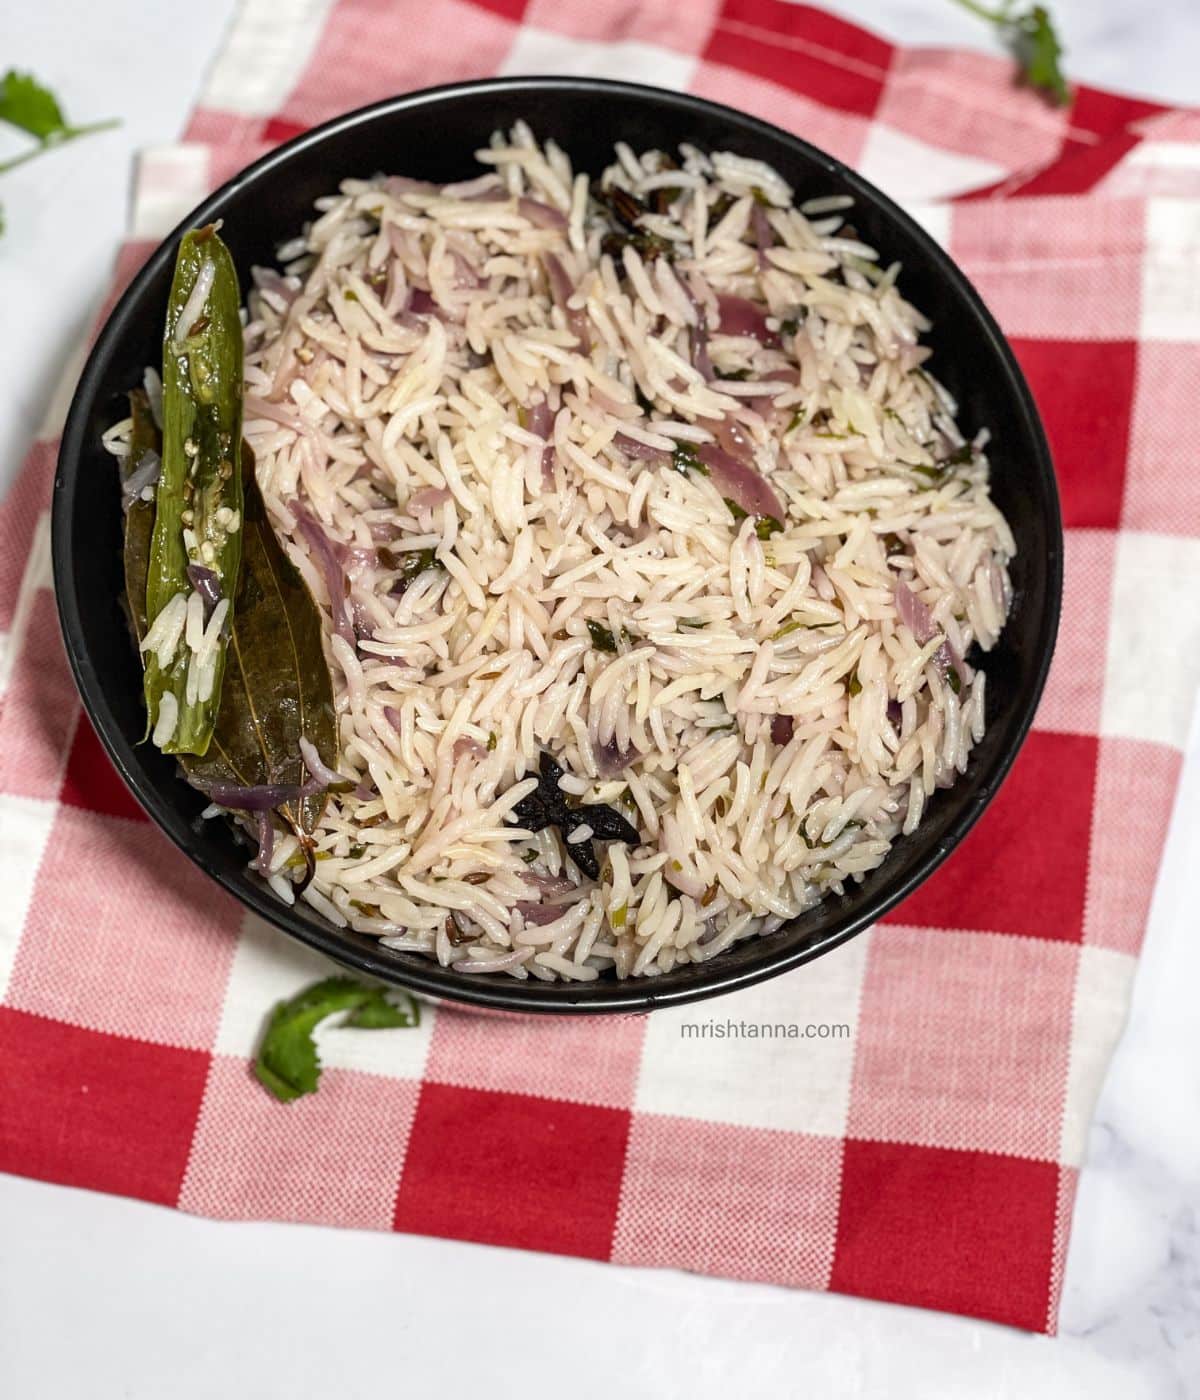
(606, 996)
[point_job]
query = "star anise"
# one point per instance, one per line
(548, 806)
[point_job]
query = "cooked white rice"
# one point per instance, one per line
(392, 399)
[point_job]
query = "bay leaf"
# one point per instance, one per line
(277, 684)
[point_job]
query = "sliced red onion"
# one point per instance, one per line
(206, 583)
(465, 745)
(742, 317)
(356, 556)
(542, 215)
(392, 715)
(563, 289)
(361, 619)
(464, 273)
(919, 620)
(536, 913)
(266, 843)
(783, 727)
(549, 885)
(384, 531)
(336, 583)
(764, 234)
(640, 451)
(262, 797)
(698, 334)
(364, 792)
(914, 614)
(611, 759)
(266, 279)
(399, 185)
(732, 437)
(541, 424)
(321, 772)
(561, 286)
(427, 498)
(146, 473)
(740, 482)
(479, 187)
(610, 405)
(540, 419)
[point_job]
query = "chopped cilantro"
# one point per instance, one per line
(602, 638)
(686, 459)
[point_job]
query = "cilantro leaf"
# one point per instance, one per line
(287, 1064)
(27, 105)
(686, 459)
(377, 1013)
(1034, 42)
(32, 108)
(1038, 51)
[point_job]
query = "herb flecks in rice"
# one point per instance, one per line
(527, 364)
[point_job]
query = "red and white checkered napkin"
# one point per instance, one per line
(931, 1156)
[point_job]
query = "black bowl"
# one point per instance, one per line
(433, 134)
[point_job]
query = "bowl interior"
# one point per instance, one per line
(434, 135)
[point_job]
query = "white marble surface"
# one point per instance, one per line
(110, 1298)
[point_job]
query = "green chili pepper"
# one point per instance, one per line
(200, 488)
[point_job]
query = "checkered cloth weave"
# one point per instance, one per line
(929, 1156)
